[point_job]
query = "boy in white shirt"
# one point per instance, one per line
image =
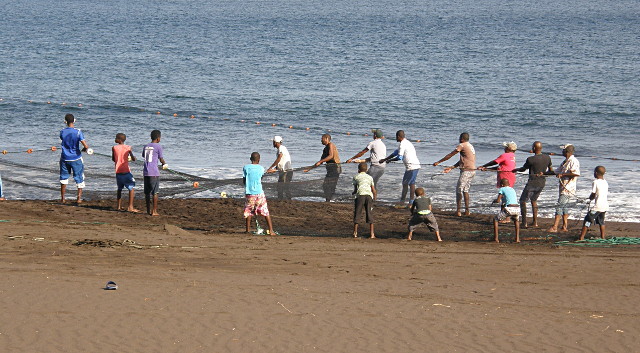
(599, 192)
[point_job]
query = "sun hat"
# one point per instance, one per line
(510, 145)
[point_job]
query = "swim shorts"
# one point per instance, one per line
(72, 167)
(512, 212)
(464, 181)
(151, 185)
(410, 177)
(594, 217)
(125, 180)
(255, 205)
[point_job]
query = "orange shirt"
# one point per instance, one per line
(121, 156)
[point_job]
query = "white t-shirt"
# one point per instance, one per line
(285, 161)
(570, 165)
(378, 151)
(601, 189)
(409, 156)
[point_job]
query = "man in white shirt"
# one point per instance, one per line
(407, 154)
(378, 151)
(283, 165)
(567, 173)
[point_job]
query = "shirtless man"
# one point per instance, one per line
(467, 165)
(331, 157)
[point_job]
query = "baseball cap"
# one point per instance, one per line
(568, 147)
(277, 139)
(510, 145)
(377, 133)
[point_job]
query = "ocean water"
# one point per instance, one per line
(558, 72)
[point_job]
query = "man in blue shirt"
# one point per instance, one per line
(71, 157)
(255, 201)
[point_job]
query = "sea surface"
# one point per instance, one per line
(558, 72)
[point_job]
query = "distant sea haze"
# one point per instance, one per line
(552, 71)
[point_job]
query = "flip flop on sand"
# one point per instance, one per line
(111, 285)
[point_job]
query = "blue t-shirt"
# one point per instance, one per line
(252, 174)
(71, 138)
(508, 196)
(151, 153)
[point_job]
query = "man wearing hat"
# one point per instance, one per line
(567, 173)
(378, 151)
(506, 164)
(283, 165)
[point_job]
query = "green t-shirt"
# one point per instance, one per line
(363, 182)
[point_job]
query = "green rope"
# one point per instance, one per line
(597, 242)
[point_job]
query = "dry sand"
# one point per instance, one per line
(192, 281)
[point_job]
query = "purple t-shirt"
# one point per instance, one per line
(71, 138)
(151, 153)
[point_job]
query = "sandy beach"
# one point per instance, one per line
(191, 280)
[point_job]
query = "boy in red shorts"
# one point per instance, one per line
(255, 201)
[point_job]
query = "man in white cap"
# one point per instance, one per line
(283, 165)
(567, 173)
(506, 164)
(378, 151)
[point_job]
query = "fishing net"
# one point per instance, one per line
(35, 175)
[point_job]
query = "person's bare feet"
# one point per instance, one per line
(564, 230)
(467, 213)
(372, 236)
(458, 214)
(534, 225)
(524, 225)
(133, 210)
(154, 214)
(552, 230)
(355, 235)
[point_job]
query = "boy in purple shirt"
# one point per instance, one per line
(71, 157)
(152, 153)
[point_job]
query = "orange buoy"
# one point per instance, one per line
(80, 105)
(158, 113)
(196, 184)
(4, 152)
(290, 126)
(257, 123)
(53, 148)
(273, 124)
(48, 102)
(175, 114)
(366, 134)
(348, 133)
(307, 129)
(417, 140)
(29, 150)
(193, 117)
